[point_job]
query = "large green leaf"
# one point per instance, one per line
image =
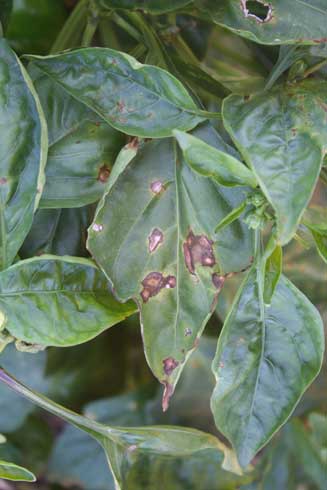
(151, 6)
(140, 100)
(123, 446)
(10, 471)
(210, 162)
(281, 135)
(23, 146)
(82, 147)
(58, 232)
(274, 22)
(153, 236)
(266, 357)
(58, 301)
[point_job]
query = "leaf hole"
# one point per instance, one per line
(255, 9)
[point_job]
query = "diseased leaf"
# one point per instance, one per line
(124, 445)
(164, 252)
(215, 164)
(10, 471)
(274, 22)
(281, 135)
(82, 147)
(58, 301)
(140, 100)
(150, 6)
(23, 146)
(266, 358)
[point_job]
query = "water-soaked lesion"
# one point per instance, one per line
(258, 10)
(155, 239)
(198, 249)
(154, 282)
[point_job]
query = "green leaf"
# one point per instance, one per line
(266, 357)
(10, 471)
(231, 217)
(23, 146)
(164, 253)
(82, 147)
(215, 164)
(123, 445)
(281, 135)
(140, 100)
(273, 270)
(150, 6)
(58, 301)
(5, 11)
(315, 218)
(58, 232)
(274, 22)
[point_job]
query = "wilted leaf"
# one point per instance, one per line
(23, 146)
(58, 301)
(140, 100)
(266, 358)
(164, 252)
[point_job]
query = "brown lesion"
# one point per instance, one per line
(198, 249)
(169, 364)
(156, 186)
(104, 173)
(154, 282)
(155, 239)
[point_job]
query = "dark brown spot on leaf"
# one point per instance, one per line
(155, 239)
(156, 186)
(120, 106)
(198, 250)
(218, 281)
(104, 173)
(169, 365)
(154, 282)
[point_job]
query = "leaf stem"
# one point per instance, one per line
(77, 420)
(73, 28)
(314, 68)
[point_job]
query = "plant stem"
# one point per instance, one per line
(91, 26)
(314, 68)
(72, 29)
(64, 413)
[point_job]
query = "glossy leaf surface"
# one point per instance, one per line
(82, 147)
(140, 100)
(10, 471)
(23, 146)
(281, 135)
(58, 301)
(266, 357)
(215, 164)
(277, 21)
(164, 252)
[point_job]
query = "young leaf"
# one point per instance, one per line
(231, 217)
(281, 135)
(215, 164)
(140, 100)
(23, 147)
(82, 147)
(58, 301)
(10, 471)
(164, 252)
(273, 270)
(266, 358)
(275, 22)
(123, 445)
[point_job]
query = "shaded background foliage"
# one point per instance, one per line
(108, 378)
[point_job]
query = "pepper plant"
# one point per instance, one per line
(156, 162)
